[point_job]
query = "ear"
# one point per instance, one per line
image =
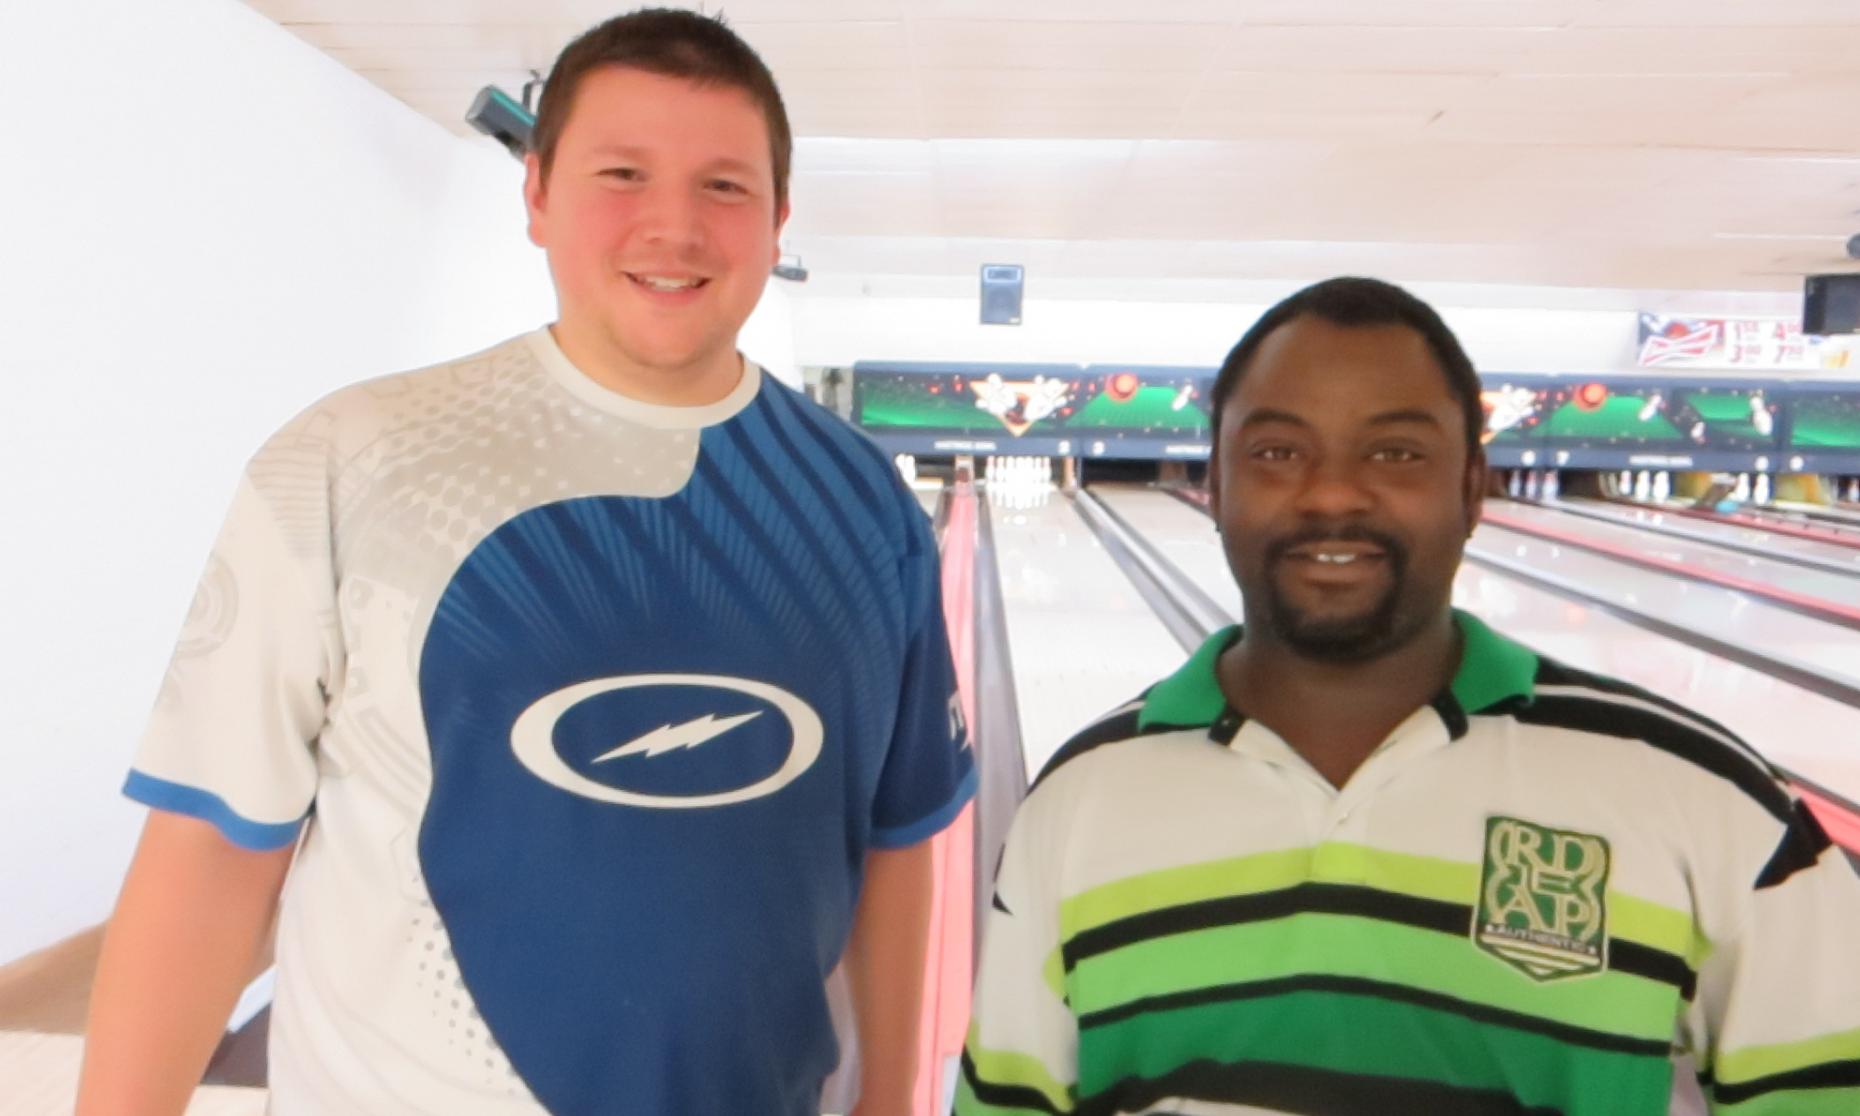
(534, 196)
(1214, 483)
(781, 222)
(1475, 484)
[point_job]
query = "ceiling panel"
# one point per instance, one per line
(1675, 144)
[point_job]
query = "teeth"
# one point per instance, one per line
(659, 283)
(1336, 559)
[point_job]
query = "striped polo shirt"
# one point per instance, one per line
(1537, 891)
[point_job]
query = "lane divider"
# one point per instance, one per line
(1793, 530)
(1831, 611)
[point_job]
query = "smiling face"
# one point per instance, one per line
(1344, 488)
(659, 218)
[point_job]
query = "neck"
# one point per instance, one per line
(698, 383)
(1336, 714)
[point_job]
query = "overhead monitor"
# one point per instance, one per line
(1830, 305)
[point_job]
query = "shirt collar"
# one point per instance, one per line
(657, 415)
(1493, 671)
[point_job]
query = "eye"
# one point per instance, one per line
(1273, 453)
(623, 174)
(728, 187)
(1396, 455)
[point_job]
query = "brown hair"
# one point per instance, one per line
(670, 42)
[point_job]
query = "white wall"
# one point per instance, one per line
(204, 225)
(768, 336)
(838, 329)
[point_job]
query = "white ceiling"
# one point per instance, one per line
(1640, 146)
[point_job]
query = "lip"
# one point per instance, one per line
(636, 280)
(1336, 552)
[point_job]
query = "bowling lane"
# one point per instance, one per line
(1080, 638)
(1814, 736)
(1820, 585)
(1735, 618)
(1180, 533)
(1716, 531)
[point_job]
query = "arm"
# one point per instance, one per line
(187, 931)
(885, 966)
(1021, 1056)
(1776, 1021)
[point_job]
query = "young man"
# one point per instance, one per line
(598, 682)
(1365, 855)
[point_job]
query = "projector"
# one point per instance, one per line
(789, 268)
(497, 114)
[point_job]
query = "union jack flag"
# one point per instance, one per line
(1677, 340)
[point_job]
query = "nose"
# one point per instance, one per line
(670, 215)
(1333, 489)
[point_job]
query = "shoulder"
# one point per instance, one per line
(454, 394)
(1088, 749)
(842, 458)
(1606, 708)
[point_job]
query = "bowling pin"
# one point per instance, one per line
(1760, 491)
(1531, 481)
(1551, 485)
(1643, 485)
(1741, 493)
(1662, 486)
(1514, 484)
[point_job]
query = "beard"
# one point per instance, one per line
(1356, 637)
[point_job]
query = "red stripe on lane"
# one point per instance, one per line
(1730, 581)
(949, 964)
(1841, 823)
(1793, 530)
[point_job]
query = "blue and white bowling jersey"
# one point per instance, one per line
(592, 708)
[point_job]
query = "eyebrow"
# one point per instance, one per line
(1266, 415)
(1390, 418)
(622, 151)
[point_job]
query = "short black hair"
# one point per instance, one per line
(1351, 300)
(670, 42)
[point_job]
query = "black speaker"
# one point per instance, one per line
(1830, 304)
(1001, 284)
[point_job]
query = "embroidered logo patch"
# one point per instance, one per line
(1542, 899)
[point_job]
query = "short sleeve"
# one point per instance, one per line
(232, 736)
(1775, 1024)
(929, 771)
(1021, 1054)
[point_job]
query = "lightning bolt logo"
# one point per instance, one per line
(670, 738)
(532, 739)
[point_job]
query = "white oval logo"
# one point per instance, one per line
(532, 739)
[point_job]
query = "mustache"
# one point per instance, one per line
(1277, 550)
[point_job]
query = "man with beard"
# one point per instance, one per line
(1365, 855)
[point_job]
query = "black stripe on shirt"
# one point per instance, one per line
(1288, 1088)
(1566, 1033)
(1004, 1096)
(1799, 850)
(1113, 729)
(1342, 899)
(1602, 717)
(1830, 1075)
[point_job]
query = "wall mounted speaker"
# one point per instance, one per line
(1001, 290)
